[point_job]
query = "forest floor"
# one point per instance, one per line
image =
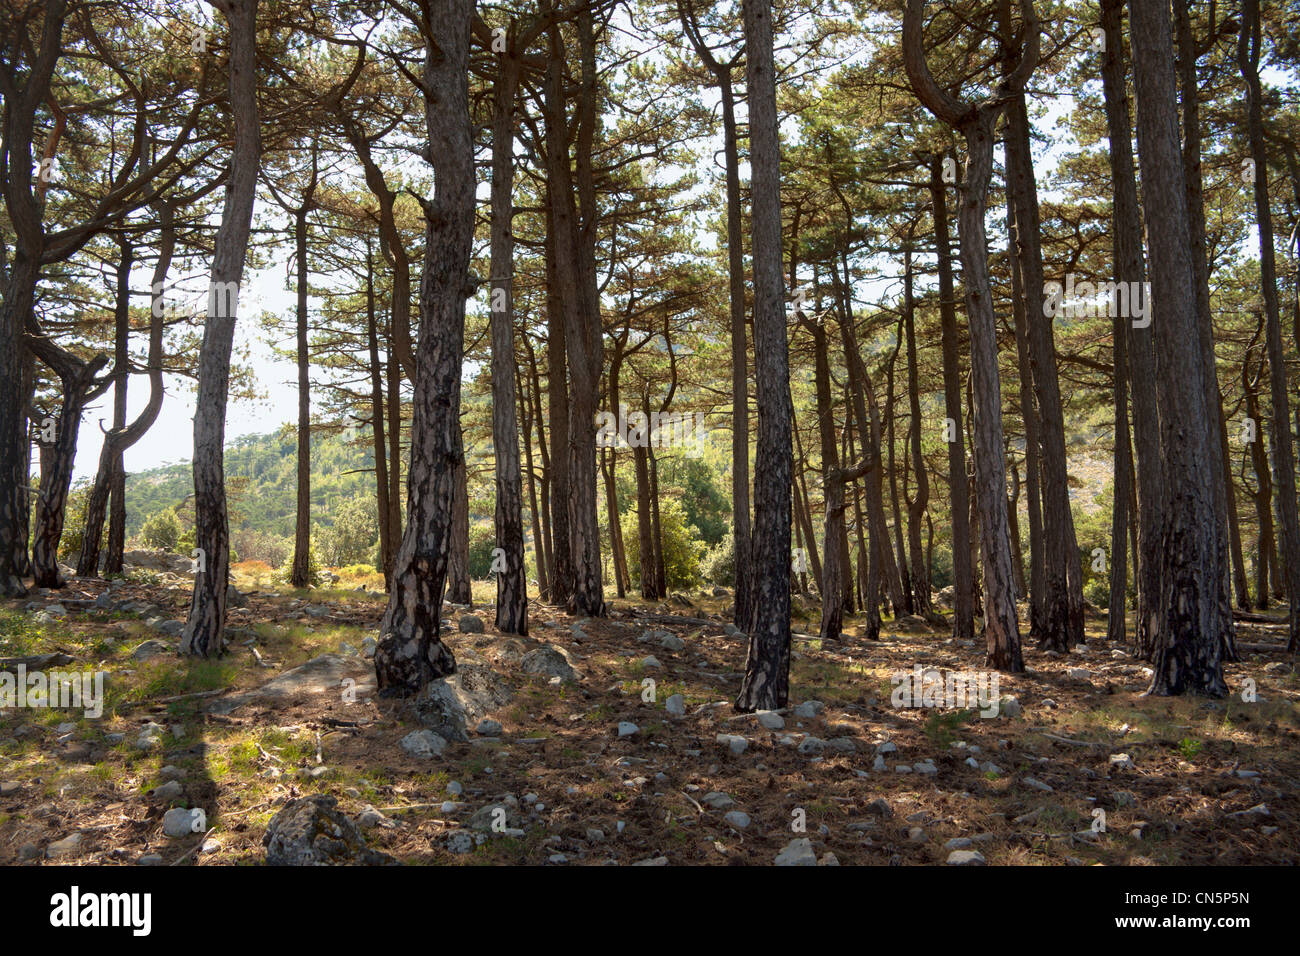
(1203, 781)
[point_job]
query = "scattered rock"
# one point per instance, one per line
(311, 831)
(717, 800)
(470, 624)
(808, 709)
(626, 728)
(966, 858)
(69, 845)
(735, 742)
(424, 743)
(488, 728)
(737, 819)
(676, 705)
(770, 719)
(797, 853)
(549, 661)
(1120, 762)
(150, 649)
(182, 822)
(171, 790)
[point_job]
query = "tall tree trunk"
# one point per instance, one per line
(1248, 54)
(976, 123)
(766, 684)
(458, 583)
(916, 505)
(1062, 575)
(387, 532)
(300, 575)
(203, 635)
(562, 580)
(1266, 548)
(512, 582)
(962, 575)
(410, 652)
(1131, 270)
(1186, 629)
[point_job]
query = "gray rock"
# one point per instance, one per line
(797, 852)
(170, 628)
(770, 719)
(181, 822)
(966, 858)
(808, 709)
(812, 745)
(470, 624)
(626, 728)
(549, 661)
(925, 767)
(717, 800)
(1010, 707)
(450, 704)
(1120, 762)
(150, 649)
(171, 790)
(56, 610)
(460, 841)
(886, 747)
(69, 845)
(424, 743)
(671, 642)
(455, 788)
(737, 818)
(322, 675)
(150, 859)
(734, 742)
(1037, 785)
(959, 843)
(881, 808)
(845, 745)
(676, 705)
(368, 647)
(488, 728)
(485, 818)
(651, 663)
(311, 831)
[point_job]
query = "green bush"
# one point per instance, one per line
(482, 542)
(719, 564)
(683, 548)
(162, 530)
(351, 538)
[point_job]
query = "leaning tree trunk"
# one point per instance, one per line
(512, 584)
(1186, 630)
(976, 123)
(410, 652)
(1248, 53)
(766, 684)
(119, 439)
(202, 635)
(77, 382)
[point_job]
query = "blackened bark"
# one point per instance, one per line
(917, 504)
(766, 684)
(386, 530)
(512, 584)
(410, 652)
(1186, 630)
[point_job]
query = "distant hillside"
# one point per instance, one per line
(261, 478)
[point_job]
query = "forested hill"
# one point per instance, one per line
(261, 478)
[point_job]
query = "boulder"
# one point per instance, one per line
(311, 831)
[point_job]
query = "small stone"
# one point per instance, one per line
(9, 786)
(916, 835)
(460, 841)
(880, 807)
(368, 647)
(455, 789)
(989, 766)
(676, 705)
(966, 858)
(797, 853)
(180, 822)
(808, 709)
(886, 747)
(829, 859)
(770, 719)
(595, 834)
(734, 742)
(717, 800)
(423, 743)
(1037, 785)
(1120, 762)
(210, 846)
(812, 745)
(1010, 707)
(958, 843)
(69, 845)
(1079, 673)
(470, 624)
(150, 859)
(1049, 703)
(626, 728)
(878, 763)
(651, 663)
(671, 642)
(737, 819)
(925, 767)
(488, 728)
(171, 790)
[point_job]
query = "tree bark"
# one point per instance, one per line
(203, 633)
(766, 684)
(410, 652)
(1186, 627)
